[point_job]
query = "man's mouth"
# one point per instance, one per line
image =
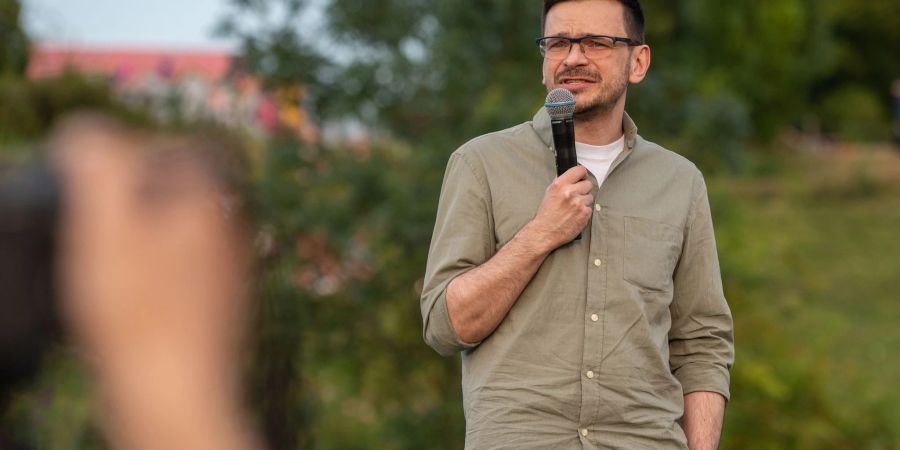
(575, 82)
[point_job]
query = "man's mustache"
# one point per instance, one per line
(579, 72)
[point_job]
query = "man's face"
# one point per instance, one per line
(598, 84)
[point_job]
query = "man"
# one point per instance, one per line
(621, 339)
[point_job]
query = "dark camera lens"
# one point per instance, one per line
(29, 208)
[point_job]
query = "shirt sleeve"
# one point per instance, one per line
(463, 238)
(701, 341)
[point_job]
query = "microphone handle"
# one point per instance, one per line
(564, 142)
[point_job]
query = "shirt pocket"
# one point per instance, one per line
(651, 252)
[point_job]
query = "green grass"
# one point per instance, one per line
(811, 261)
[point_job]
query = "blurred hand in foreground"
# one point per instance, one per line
(155, 279)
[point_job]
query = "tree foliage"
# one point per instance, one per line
(725, 75)
(14, 47)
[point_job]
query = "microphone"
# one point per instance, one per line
(560, 104)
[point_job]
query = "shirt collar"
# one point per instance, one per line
(541, 124)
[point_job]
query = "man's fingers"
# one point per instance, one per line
(584, 187)
(587, 200)
(573, 175)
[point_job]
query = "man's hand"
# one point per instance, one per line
(564, 211)
(154, 278)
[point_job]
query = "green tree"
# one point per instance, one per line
(728, 73)
(444, 71)
(13, 41)
(272, 44)
(411, 68)
(853, 101)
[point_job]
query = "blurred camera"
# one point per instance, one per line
(29, 210)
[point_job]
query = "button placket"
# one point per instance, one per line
(596, 293)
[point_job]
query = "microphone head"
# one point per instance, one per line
(560, 104)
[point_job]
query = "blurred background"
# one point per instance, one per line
(349, 110)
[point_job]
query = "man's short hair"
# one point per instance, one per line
(634, 17)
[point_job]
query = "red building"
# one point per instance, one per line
(50, 60)
(204, 84)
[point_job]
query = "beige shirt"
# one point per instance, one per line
(613, 329)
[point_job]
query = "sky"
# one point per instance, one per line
(141, 23)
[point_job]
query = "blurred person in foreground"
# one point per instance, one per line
(153, 280)
(622, 339)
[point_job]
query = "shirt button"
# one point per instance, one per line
(594, 317)
(584, 431)
(597, 262)
(590, 374)
(598, 207)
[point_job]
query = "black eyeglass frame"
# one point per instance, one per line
(573, 41)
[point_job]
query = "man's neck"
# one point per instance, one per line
(601, 129)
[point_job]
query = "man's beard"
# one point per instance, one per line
(604, 102)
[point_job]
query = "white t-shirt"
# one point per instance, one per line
(598, 158)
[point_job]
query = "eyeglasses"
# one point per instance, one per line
(594, 46)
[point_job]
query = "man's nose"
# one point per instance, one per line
(576, 56)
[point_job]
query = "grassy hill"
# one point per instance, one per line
(811, 260)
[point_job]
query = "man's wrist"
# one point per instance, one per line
(535, 240)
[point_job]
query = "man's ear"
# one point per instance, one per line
(640, 64)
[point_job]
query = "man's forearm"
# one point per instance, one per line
(702, 422)
(478, 300)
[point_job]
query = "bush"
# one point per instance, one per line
(855, 113)
(29, 108)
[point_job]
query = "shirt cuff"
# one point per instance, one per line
(441, 336)
(704, 377)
